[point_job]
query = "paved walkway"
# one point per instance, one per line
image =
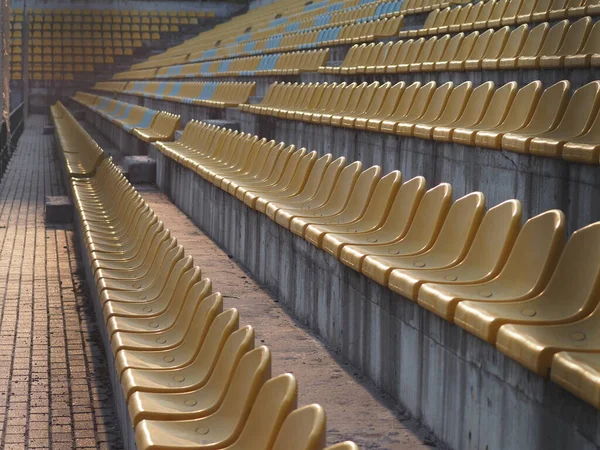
(54, 387)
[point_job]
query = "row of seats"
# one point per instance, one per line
(517, 286)
(74, 30)
(145, 123)
(531, 119)
(367, 12)
(563, 45)
(349, 34)
(183, 363)
(497, 13)
(211, 94)
(65, 12)
(279, 64)
(256, 25)
(80, 154)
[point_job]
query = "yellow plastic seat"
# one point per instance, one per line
(550, 45)
(407, 240)
(403, 107)
(343, 206)
(518, 116)
(492, 50)
(246, 401)
(180, 401)
(450, 246)
(182, 355)
(220, 335)
(531, 47)
(577, 119)
(172, 334)
(484, 260)
(330, 198)
(573, 42)
(452, 110)
(509, 17)
(316, 189)
(526, 273)
(591, 48)
(548, 113)
(390, 104)
(569, 296)
(361, 214)
(373, 108)
(514, 44)
(586, 147)
(494, 115)
(434, 105)
(308, 167)
(473, 113)
(449, 52)
(579, 373)
(303, 429)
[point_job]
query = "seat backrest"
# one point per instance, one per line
(523, 106)
(275, 401)
(576, 37)
(515, 42)
(452, 16)
(437, 51)
(430, 215)
(536, 251)
(432, 18)
(467, 45)
(554, 38)
(512, 9)
(421, 101)
(495, 238)
(406, 101)
(576, 278)
(405, 205)
(452, 48)
(438, 102)
(535, 39)
(477, 104)
(592, 43)
(582, 109)
(403, 51)
(460, 225)
(498, 11)
(303, 429)
(551, 108)
(457, 101)
(499, 106)
(242, 397)
(480, 46)
(497, 44)
(486, 10)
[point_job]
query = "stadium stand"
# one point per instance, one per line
(230, 392)
(456, 299)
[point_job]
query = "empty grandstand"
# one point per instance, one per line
(301, 225)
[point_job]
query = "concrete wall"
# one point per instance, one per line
(470, 395)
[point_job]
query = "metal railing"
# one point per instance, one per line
(8, 142)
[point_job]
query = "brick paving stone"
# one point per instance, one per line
(52, 366)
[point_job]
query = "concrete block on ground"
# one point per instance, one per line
(140, 169)
(59, 209)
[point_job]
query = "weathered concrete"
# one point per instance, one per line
(468, 393)
(59, 209)
(140, 169)
(540, 183)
